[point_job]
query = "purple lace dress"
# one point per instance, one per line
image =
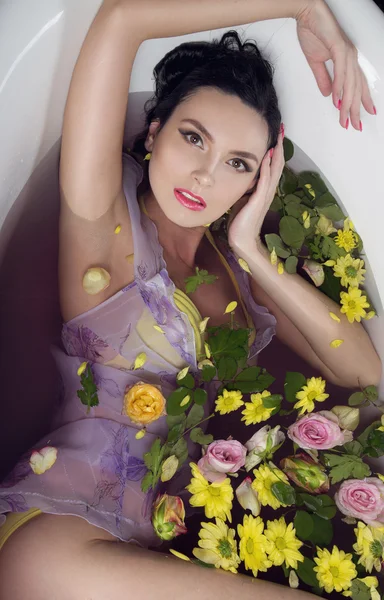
(99, 466)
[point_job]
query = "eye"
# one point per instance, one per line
(247, 169)
(191, 134)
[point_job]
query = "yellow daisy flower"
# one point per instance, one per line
(369, 546)
(228, 401)
(314, 390)
(285, 545)
(215, 497)
(255, 411)
(345, 239)
(350, 270)
(334, 571)
(253, 544)
(353, 304)
(265, 477)
(218, 546)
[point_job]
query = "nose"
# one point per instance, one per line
(203, 177)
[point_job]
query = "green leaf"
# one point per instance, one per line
(146, 482)
(288, 181)
(295, 210)
(202, 276)
(198, 436)
(227, 368)
(356, 398)
(306, 573)
(272, 401)
(181, 451)
(322, 505)
(291, 264)
(291, 232)
(208, 373)
(376, 441)
(148, 460)
(173, 420)
(360, 591)
(293, 384)
(175, 399)
(363, 437)
(200, 396)
(188, 381)
(276, 204)
(175, 432)
(284, 493)
(330, 249)
(331, 286)
(332, 212)
(88, 395)
(248, 374)
(354, 447)
(292, 199)
(345, 467)
(371, 393)
(314, 180)
(288, 149)
(303, 524)
(274, 241)
(322, 533)
(264, 381)
(325, 200)
(195, 415)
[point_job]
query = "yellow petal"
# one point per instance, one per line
(203, 324)
(204, 363)
(230, 308)
(185, 400)
(273, 257)
(82, 368)
(140, 360)
(329, 263)
(370, 315)
(336, 343)
(158, 328)
(148, 156)
(334, 317)
(280, 268)
(96, 280)
(207, 225)
(140, 434)
(129, 258)
(304, 215)
(118, 229)
(207, 350)
(181, 374)
(179, 555)
(244, 265)
(348, 225)
(42, 460)
(307, 222)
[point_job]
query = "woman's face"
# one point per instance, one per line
(208, 163)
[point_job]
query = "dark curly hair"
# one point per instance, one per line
(230, 65)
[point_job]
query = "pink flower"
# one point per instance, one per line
(320, 431)
(222, 457)
(362, 499)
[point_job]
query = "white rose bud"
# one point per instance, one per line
(262, 445)
(248, 497)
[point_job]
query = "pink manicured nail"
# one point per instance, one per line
(374, 109)
(361, 126)
(347, 123)
(339, 103)
(271, 152)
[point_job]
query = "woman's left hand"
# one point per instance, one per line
(249, 212)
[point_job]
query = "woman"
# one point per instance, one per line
(209, 99)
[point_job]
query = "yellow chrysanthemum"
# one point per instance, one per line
(218, 546)
(353, 304)
(369, 546)
(350, 270)
(215, 497)
(253, 544)
(334, 571)
(229, 401)
(284, 543)
(314, 390)
(255, 411)
(345, 239)
(265, 477)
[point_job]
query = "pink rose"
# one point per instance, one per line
(362, 499)
(320, 431)
(222, 457)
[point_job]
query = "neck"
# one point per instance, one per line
(178, 243)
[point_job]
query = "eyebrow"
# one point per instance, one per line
(204, 131)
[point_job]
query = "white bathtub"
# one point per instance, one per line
(39, 44)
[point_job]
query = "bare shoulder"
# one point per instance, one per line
(84, 243)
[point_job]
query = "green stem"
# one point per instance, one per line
(193, 427)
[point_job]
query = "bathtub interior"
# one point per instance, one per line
(29, 308)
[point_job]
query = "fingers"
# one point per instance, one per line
(349, 91)
(322, 77)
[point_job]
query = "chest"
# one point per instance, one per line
(211, 299)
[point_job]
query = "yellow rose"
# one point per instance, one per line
(144, 403)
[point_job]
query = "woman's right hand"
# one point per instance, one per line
(321, 38)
